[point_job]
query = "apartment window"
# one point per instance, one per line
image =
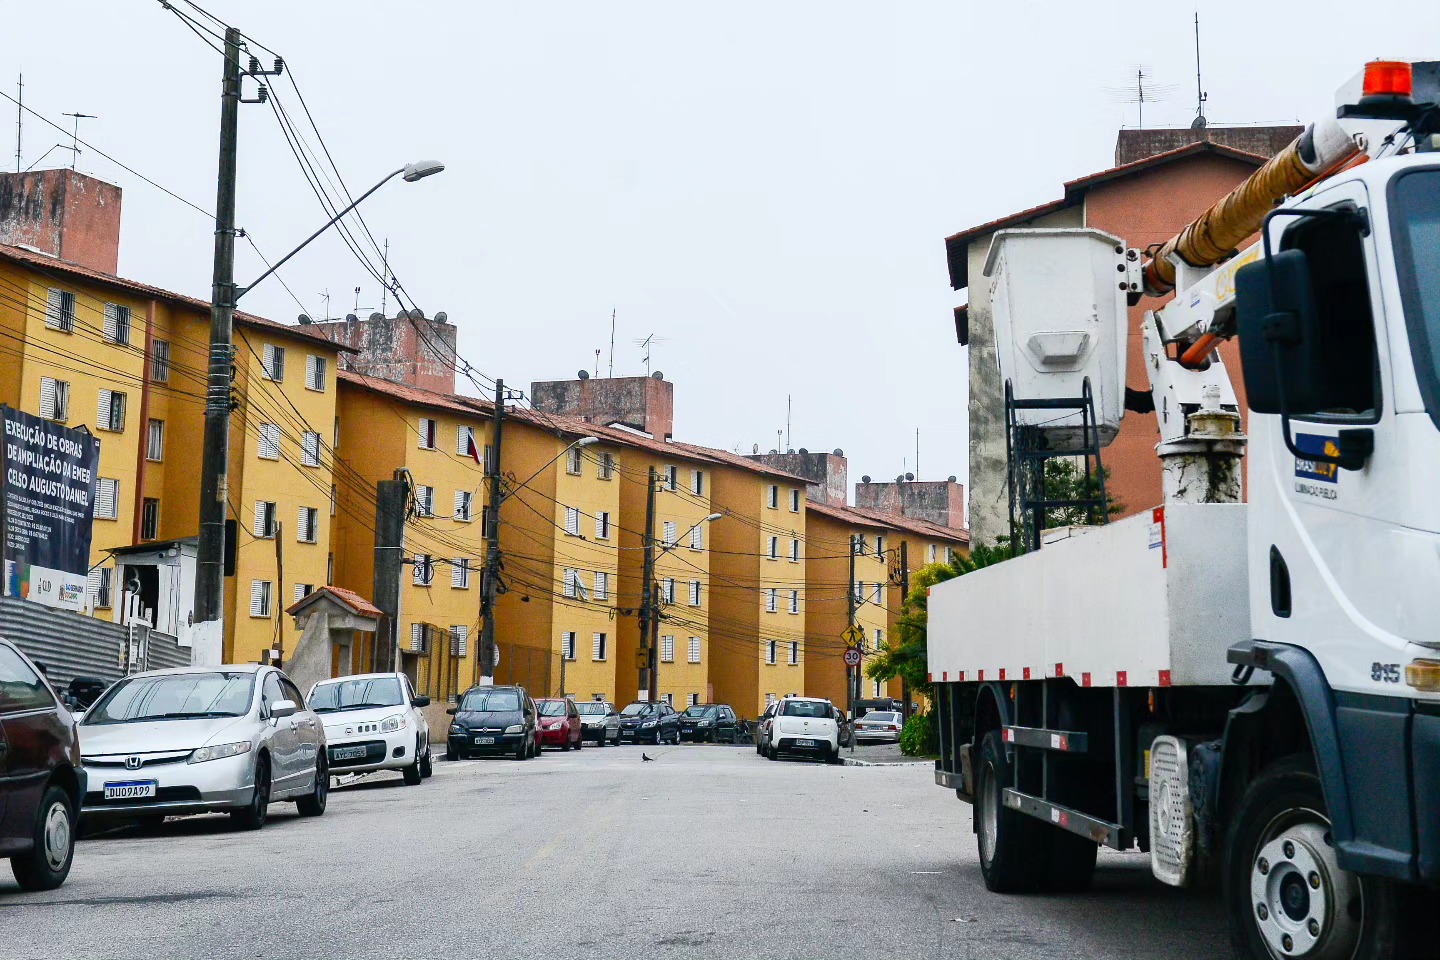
(857, 545)
(329, 569)
(774, 548)
(117, 324)
(112, 411)
(794, 601)
(879, 593)
(308, 524)
(607, 466)
(794, 549)
(424, 500)
(334, 499)
(160, 361)
(310, 449)
(264, 518)
(572, 461)
(879, 546)
(149, 519)
(876, 694)
(598, 648)
(772, 599)
(464, 505)
(602, 585)
(567, 646)
(769, 698)
(268, 447)
(54, 399)
(697, 537)
(425, 432)
(667, 590)
(774, 497)
(669, 535)
(794, 501)
(417, 638)
(697, 482)
(667, 649)
(303, 590)
(694, 652)
(571, 581)
(879, 637)
(770, 646)
(602, 525)
(691, 699)
(155, 441)
(60, 311)
(490, 468)
(424, 573)
(272, 362)
(932, 553)
(794, 652)
(669, 699)
(672, 477)
(460, 573)
(949, 555)
(859, 591)
(314, 372)
(260, 598)
(694, 593)
(107, 499)
(465, 441)
(101, 584)
(459, 640)
(572, 521)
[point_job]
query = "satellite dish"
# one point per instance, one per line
(754, 449)
(791, 451)
(376, 317)
(351, 318)
(657, 375)
(417, 314)
(951, 478)
(442, 317)
(909, 476)
(305, 318)
(773, 452)
(839, 452)
(583, 375)
(1198, 123)
(900, 479)
(803, 451)
(865, 479)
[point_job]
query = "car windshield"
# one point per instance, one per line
(1417, 244)
(591, 709)
(700, 711)
(357, 694)
(551, 708)
(175, 696)
(637, 710)
(490, 701)
(881, 717)
(806, 708)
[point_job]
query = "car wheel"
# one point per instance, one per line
(253, 815)
(450, 753)
(772, 753)
(313, 803)
(580, 743)
(834, 756)
(411, 772)
(46, 865)
(427, 763)
(522, 752)
(565, 747)
(616, 742)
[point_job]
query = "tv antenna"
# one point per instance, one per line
(1141, 89)
(75, 135)
(647, 344)
(1200, 96)
(325, 295)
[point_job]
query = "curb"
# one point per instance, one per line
(852, 762)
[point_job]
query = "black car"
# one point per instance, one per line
(493, 720)
(649, 722)
(712, 722)
(41, 780)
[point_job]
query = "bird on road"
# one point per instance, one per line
(646, 758)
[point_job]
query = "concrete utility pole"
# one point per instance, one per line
(215, 462)
(490, 581)
(904, 592)
(391, 500)
(852, 674)
(649, 607)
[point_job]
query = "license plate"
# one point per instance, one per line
(347, 753)
(804, 743)
(484, 739)
(130, 790)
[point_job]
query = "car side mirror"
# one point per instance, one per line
(281, 709)
(420, 701)
(452, 711)
(78, 715)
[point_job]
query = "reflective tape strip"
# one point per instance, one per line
(1084, 679)
(1119, 678)
(1164, 678)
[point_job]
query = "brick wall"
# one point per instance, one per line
(941, 502)
(392, 348)
(64, 214)
(826, 473)
(640, 403)
(1132, 145)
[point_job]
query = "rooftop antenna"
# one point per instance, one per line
(612, 347)
(917, 453)
(597, 362)
(75, 135)
(385, 276)
(788, 439)
(19, 120)
(357, 301)
(647, 343)
(1200, 96)
(1142, 89)
(326, 297)
(778, 447)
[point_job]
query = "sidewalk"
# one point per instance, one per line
(881, 755)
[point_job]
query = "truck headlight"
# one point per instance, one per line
(515, 728)
(391, 724)
(219, 751)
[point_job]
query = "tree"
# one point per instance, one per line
(1064, 480)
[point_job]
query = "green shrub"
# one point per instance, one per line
(920, 738)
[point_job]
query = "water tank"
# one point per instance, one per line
(1058, 301)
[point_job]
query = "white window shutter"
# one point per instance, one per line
(310, 362)
(457, 573)
(260, 530)
(257, 598)
(669, 532)
(598, 651)
(112, 321)
(697, 537)
(103, 414)
(54, 300)
(107, 492)
(694, 649)
(460, 504)
(93, 586)
(47, 397)
(572, 521)
(417, 637)
(462, 441)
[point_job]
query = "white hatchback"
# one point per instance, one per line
(807, 726)
(374, 721)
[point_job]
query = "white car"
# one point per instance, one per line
(879, 726)
(374, 721)
(599, 721)
(202, 740)
(807, 726)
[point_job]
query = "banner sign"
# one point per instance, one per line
(48, 498)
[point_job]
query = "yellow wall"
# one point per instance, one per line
(828, 612)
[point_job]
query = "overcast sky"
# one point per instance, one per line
(766, 186)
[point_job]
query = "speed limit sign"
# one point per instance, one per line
(852, 657)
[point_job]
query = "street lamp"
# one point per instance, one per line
(710, 519)
(574, 445)
(411, 172)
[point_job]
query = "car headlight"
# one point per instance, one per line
(515, 728)
(219, 751)
(456, 730)
(704, 723)
(391, 724)
(648, 723)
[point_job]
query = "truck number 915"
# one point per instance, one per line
(1386, 672)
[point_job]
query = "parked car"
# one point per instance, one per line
(42, 783)
(599, 721)
(493, 720)
(762, 726)
(203, 740)
(559, 723)
(713, 722)
(374, 721)
(878, 726)
(649, 721)
(807, 726)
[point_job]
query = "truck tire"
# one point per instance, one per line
(1012, 845)
(1281, 881)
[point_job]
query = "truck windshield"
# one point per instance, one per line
(1415, 202)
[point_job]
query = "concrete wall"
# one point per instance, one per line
(62, 213)
(827, 473)
(391, 348)
(1132, 145)
(941, 502)
(640, 403)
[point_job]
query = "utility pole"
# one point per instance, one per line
(904, 592)
(852, 674)
(649, 608)
(277, 655)
(215, 463)
(391, 500)
(490, 582)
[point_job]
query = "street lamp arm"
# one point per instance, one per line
(582, 442)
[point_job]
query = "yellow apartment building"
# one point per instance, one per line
(441, 442)
(834, 534)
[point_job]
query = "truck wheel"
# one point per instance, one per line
(1012, 845)
(1284, 891)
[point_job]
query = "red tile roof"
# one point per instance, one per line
(915, 525)
(454, 402)
(346, 598)
(846, 515)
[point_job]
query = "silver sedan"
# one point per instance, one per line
(879, 726)
(202, 740)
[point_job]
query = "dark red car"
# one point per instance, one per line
(559, 723)
(41, 780)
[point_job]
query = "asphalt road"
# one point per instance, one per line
(710, 851)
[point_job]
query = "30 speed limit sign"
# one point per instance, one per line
(852, 657)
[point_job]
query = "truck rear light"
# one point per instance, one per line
(1388, 78)
(1423, 675)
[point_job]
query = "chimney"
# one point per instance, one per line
(941, 502)
(407, 348)
(64, 214)
(825, 473)
(646, 404)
